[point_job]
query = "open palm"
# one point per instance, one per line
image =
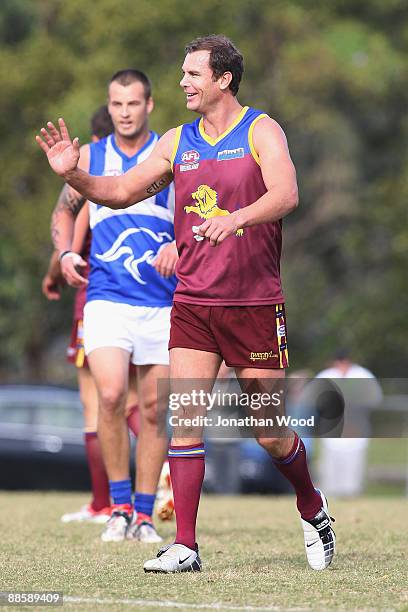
(62, 153)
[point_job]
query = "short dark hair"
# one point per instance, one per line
(343, 353)
(131, 75)
(224, 57)
(101, 122)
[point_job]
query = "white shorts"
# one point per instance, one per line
(142, 331)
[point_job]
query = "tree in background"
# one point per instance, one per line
(333, 74)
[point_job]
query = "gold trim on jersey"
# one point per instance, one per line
(250, 137)
(80, 354)
(278, 308)
(177, 137)
(214, 141)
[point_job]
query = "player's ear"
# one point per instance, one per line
(225, 80)
(150, 105)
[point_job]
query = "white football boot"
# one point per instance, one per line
(87, 514)
(117, 526)
(320, 539)
(174, 558)
(144, 532)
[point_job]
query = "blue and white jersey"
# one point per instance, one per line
(125, 242)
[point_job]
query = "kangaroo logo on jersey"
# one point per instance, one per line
(207, 205)
(132, 263)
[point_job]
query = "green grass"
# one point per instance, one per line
(388, 451)
(252, 550)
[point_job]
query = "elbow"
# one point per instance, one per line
(124, 201)
(121, 199)
(292, 201)
(127, 198)
(295, 199)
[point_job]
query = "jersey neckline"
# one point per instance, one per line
(213, 141)
(136, 155)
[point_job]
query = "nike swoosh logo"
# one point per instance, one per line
(309, 545)
(182, 560)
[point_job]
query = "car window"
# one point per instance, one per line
(59, 415)
(16, 412)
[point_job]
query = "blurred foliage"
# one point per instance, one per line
(333, 74)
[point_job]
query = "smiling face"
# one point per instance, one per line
(198, 83)
(129, 108)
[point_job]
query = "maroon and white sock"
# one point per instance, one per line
(97, 471)
(294, 468)
(187, 474)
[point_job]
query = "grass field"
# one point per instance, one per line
(252, 550)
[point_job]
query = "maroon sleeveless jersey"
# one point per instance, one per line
(215, 177)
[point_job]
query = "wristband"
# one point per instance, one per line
(63, 255)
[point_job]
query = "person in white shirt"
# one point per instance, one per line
(342, 463)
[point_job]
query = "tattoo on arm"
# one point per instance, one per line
(157, 186)
(69, 201)
(55, 234)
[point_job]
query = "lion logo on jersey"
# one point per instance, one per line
(207, 205)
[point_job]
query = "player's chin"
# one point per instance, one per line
(128, 132)
(193, 104)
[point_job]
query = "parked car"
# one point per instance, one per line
(241, 466)
(41, 439)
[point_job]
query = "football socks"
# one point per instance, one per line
(294, 468)
(97, 471)
(187, 475)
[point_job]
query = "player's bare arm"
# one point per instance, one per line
(72, 262)
(81, 229)
(64, 221)
(63, 217)
(68, 205)
(279, 176)
(141, 182)
(278, 173)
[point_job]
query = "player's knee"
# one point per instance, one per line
(271, 445)
(149, 411)
(112, 400)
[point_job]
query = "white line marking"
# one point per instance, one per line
(178, 604)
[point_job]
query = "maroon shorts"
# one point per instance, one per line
(244, 336)
(75, 350)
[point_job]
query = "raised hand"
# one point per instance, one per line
(62, 152)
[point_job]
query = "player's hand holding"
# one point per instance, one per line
(217, 229)
(166, 260)
(62, 152)
(69, 263)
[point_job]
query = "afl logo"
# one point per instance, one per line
(190, 157)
